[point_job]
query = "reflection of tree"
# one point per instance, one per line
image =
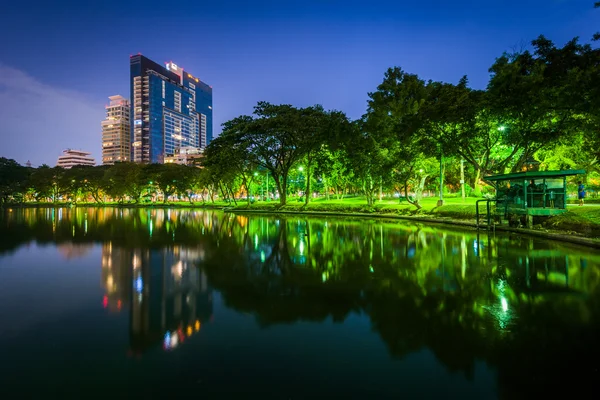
(518, 304)
(421, 288)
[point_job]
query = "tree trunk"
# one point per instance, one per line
(326, 187)
(223, 192)
(414, 203)
(476, 185)
(368, 189)
(280, 182)
(307, 191)
(245, 183)
(232, 195)
(380, 188)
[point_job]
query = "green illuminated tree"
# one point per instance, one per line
(13, 179)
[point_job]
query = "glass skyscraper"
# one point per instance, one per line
(170, 110)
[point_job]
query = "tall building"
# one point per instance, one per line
(171, 109)
(71, 158)
(116, 131)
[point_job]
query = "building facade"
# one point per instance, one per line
(185, 156)
(116, 131)
(170, 109)
(71, 158)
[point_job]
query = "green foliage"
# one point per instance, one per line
(13, 179)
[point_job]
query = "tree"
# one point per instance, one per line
(392, 122)
(187, 181)
(13, 177)
(126, 179)
(227, 156)
(273, 139)
(537, 96)
(47, 182)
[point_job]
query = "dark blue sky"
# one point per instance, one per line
(59, 61)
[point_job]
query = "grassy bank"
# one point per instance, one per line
(584, 221)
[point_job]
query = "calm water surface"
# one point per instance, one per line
(118, 302)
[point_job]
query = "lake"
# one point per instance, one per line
(158, 303)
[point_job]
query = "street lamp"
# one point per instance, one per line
(261, 186)
(301, 178)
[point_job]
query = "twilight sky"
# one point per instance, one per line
(60, 60)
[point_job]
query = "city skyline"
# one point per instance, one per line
(332, 53)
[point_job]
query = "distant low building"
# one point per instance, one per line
(185, 156)
(71, 158)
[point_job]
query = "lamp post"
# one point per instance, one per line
(261, 187)
(300, 178)
(267, 185)
(441, 200)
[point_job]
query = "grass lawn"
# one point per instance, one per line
(584, 219)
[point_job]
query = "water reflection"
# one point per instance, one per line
(166, 294)
(527, 308)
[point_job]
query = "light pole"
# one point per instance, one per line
(462, 178)
(300, 178)
(267, 185)
(441, 200)
(255, 175)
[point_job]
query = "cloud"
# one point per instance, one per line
(38, 121)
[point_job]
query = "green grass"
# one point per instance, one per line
(584, 220)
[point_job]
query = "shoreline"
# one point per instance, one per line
(549, 234)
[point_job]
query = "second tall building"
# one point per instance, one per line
(171, 111)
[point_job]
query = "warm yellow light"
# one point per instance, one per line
(189, 331)
(197, 326)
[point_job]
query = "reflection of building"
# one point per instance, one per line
(71, 251)
(116, 276)
(71, 158)
(171, 109)
(116, 136)
(166, 293)
(171, 299)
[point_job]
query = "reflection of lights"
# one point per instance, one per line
(105, 301)
(150, 228)
(324, 276)
(119, 304)
(174, 340)
(197, 325)
(139, 285)
(262, 256)
(504, 304)
(189, 331)
(301, 247)
(167, 342)
(371, 268)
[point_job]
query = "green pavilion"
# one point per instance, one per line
(539, 193)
